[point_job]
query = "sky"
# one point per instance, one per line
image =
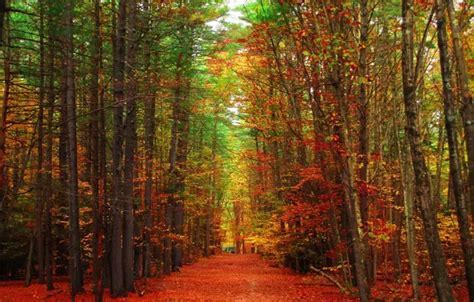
(233, 15)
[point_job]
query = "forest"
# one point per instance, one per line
(142, 138)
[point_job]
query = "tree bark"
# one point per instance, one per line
(3, 10)
(454, 161)
(49, 194)
(406, 173)
(74, 232)
(29, 262)
(96, 51)
(422, 181)
(149, 134)
(466, 95)
(4, 112)
(116, 252)
(130, 146)
(40, 198)
(363, 156)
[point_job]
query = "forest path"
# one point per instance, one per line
(242, 278)
(220, 278)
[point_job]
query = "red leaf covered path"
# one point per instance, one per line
(244, 278)
(221, 278)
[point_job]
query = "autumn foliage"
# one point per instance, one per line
(331, 137)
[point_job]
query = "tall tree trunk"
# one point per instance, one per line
(454, 161)
(422, 181)
(4, 112)
(467, 103)
(174, 209)
(406, 172)
(104, 206)
(117, 278)
(347, 168)
(179, 176)
(74, 232)
(49, 194)
(3, 16)
(62, 196)
(40, 174)
(96, 51)
(363, 156)
(130, 146)
(150, 110)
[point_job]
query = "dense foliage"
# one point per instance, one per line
(332, 136)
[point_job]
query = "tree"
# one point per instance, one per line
(74, 232)
(97, 202)
(466, 96)
(130, 145)
(422, 182)
(117, 277)
(454, 162)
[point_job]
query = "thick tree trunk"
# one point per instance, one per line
(130, 146)
(454, 161)
(422, 180)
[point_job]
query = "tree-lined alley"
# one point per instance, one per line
(333, 137)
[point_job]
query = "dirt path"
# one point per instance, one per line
(220, 278)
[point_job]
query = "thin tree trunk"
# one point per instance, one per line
(364, 133)
(29, 261)
(116, 252)
(177, 158)
(150, 110)
(352, 202)
(96, 50)
(454, 161)
(3, 16)
(62, 195)
(40, 173)
(5, 101)
(104, 207)
(467, 103)
(49, 169)
(179, 176)
(406, 172)
(422, 181)
(74, 232)
(439, 163)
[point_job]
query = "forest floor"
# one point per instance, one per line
(220, 278)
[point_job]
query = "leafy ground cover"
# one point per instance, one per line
(223, 278)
